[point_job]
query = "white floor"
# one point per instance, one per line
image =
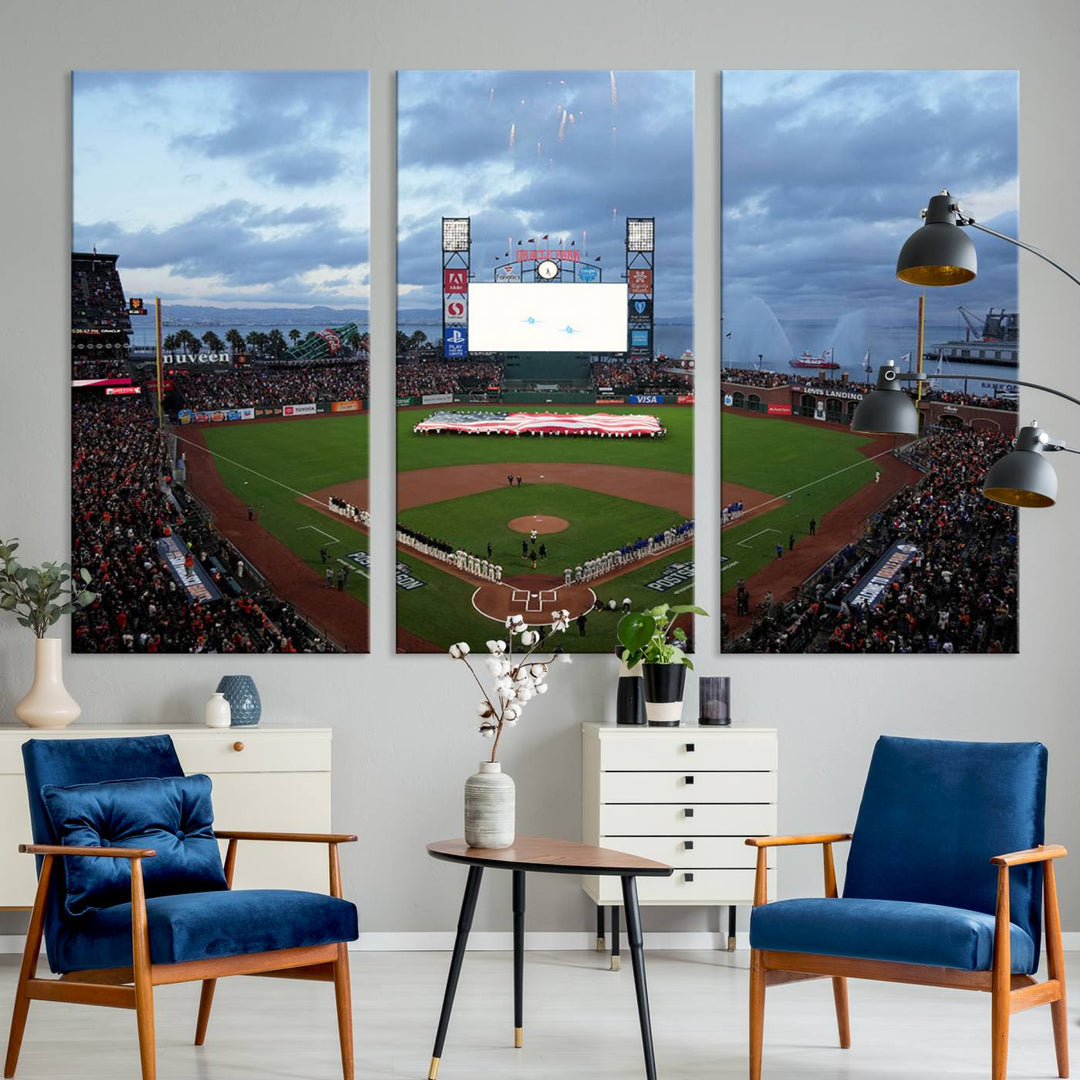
(580, 1021)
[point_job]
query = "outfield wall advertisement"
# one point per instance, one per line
(562, 478)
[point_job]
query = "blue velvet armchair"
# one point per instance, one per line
(132, 893)
(945, 875)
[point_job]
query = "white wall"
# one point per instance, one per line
(403, 725)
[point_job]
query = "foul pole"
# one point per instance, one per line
(157, 352)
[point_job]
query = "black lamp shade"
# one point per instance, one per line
(1023, 477)
(886, 412)
(940, 252)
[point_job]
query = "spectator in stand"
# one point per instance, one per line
(958, 593)
(271, 385)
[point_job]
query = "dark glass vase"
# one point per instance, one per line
(630, 700)
(243, 699)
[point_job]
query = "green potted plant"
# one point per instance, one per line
(38, 596)
(652, 639)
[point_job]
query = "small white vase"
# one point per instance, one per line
(218, 711)
(48, 704)
(489, 807)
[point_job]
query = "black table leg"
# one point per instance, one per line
(637, 958)
(616, 959)
(519, 954)
(600, 928)
(468, 907)
(731, 927)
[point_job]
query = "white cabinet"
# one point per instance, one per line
(686, 796)
(265, 778)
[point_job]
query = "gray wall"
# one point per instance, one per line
(403, 725)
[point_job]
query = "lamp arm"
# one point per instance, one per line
(915, 377)
(1020, 244)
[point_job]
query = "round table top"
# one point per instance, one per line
(550, 856)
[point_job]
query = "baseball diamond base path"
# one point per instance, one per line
(542, 524)
(342, 617)
(839, 526)
(656, 487)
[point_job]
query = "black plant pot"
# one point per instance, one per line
(664, 685)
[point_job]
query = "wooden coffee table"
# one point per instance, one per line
(542, 855)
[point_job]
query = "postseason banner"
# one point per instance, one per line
(194, 580)
(869, 590)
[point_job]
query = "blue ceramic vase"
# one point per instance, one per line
(243, 699)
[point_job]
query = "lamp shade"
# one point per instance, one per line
(939, 252)
(886, 410)
(1023, 477)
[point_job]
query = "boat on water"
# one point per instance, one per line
(808, 360)
(996, 342)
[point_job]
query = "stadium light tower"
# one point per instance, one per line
(455, 234)
(640, 286)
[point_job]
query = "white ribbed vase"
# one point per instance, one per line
(48, 704)
(489, 807)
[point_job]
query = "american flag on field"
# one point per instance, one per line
(609, 425)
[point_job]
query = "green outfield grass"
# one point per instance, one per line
(442, 611)
(675, 452)
(810, 469)
(598, 523)
(265, 464)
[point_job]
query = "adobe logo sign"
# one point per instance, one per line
(455, 280)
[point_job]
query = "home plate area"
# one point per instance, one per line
(536, 599)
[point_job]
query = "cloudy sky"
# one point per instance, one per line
(496, 146)
(226, 188)
(824, 175)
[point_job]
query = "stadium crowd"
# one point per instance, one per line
(957, 594)
(122, 503)
(417, 377)
(660, 376)
(97, 295)
(270, 386)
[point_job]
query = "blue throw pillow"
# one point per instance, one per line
(172, 815)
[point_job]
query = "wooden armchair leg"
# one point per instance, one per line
(343, 993)
(1055, 965)
(206, 1000)
(28, 970)
(144, 987)
(757, 1011)
(843, 1025)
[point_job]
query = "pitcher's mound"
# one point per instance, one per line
(542, 523)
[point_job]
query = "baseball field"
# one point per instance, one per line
(587, 495)
(787, 472)
(283, 471)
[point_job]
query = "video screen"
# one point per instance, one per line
(547, 317)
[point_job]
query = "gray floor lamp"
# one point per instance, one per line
(940, 254)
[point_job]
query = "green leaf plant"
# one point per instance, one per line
(651, 636)
(39, 595)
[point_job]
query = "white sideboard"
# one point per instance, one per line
(686, 796)
(273, 779)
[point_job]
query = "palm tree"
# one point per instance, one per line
(212, 342)
(275, 342)
(294, 335)
(171, 343)
(417, 341)
(235, 340)
(186, 341)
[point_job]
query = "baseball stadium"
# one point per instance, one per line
(203, 478)
(835, 541)
(545, 451)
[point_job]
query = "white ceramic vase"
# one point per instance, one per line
(218, 711)
(48, 704)
(489, 807)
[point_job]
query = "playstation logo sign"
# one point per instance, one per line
(455, 342)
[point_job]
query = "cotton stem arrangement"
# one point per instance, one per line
(518, 679)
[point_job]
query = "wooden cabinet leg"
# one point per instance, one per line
(601, 945)
(616, 958)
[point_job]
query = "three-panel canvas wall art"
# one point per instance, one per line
(544, 360)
